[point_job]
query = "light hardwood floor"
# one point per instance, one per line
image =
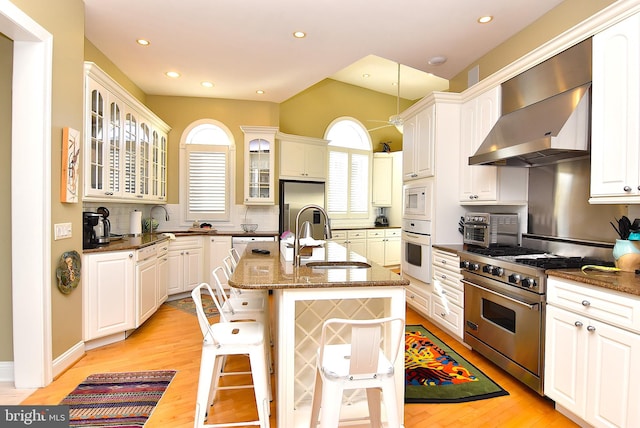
(171, 340)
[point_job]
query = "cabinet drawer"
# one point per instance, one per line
(447, 261)
(185, 242)
(451, 320)
(419, 302)
(391, 233)
(598, 303)
(447, 276)
(355, 234)
(453, 295)
(338, 235)
(375, 233)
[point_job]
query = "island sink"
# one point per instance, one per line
(346, 264)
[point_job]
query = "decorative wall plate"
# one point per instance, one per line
(68, 271)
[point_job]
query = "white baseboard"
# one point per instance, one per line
(69, 358)
(6, 371)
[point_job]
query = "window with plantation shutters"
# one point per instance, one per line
(349, 169)
(207, 173)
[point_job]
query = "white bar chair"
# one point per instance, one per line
(228, 267)
(360, 364)
(220, 340)
(244, 307)
(235, 256)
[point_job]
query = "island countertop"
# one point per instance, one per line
(271, 271)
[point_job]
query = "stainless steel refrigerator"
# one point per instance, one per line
(293, 196)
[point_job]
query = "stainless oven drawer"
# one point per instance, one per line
(512, 327)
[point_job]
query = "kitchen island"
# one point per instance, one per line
(303, 299)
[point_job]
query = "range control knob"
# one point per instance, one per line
(514, 278)
(464, 264)
(487, 268)
(497, 271)
(529, 283)
(474, 266)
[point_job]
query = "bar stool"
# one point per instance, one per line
(235, 256)
(228, 267)
(362, 363)
(220, 340)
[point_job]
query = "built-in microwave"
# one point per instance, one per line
(417, 200)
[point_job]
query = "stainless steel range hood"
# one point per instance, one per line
(546, 113)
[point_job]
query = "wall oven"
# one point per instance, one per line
(416, 249)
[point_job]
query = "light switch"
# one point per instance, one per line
(61, 231)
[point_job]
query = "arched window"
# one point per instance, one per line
(349, 169)
(208, 171)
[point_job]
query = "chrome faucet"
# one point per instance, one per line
(166, 213)
(296, 241)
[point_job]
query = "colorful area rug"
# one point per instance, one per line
(435, 373)
(186, 304)
(117, 399)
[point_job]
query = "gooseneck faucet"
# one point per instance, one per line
(296, 241)
(166, 213)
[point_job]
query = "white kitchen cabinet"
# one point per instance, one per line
(259, 152)
(302, 158)
(483, 183)
(382, 176)
(125, 144)
(418, 141)
(448, 292)
(108, 293)
(383, 246)
(163, 271)
(357, 241)
(218, 249)
(185, 258)
(592, 346)
(419, 297)
(615, 132)
(146, 272)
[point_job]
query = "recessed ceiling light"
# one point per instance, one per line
(485, 19)
(437, 60)
(172, 74)
(366, 75)
(143, 42)
(299, 34)
(207, 84)
(259, 92)
(394, 83)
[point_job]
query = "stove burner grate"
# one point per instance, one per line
(504, 251)
(562, 262)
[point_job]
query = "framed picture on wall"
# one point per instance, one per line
(70, 158)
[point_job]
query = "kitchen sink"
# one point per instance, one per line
(338, 264)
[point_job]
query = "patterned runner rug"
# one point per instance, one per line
(117, 399)
(186, 304)
(435, 373)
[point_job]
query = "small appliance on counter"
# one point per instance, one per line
(105, 237)
(381, 219)
(91, 226)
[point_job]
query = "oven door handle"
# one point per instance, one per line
(531, 306)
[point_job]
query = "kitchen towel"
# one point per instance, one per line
(135, 223)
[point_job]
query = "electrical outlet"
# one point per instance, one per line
(61, 231)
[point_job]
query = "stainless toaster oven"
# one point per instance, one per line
(489, 229)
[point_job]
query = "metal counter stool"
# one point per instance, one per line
(235, 256)
(220, 340)
(362, 363)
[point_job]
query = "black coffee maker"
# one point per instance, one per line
(89, 237)
(381, 219)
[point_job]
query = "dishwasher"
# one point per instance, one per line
(240, 242)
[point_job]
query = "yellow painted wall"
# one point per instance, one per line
(6, 312)
(64, 19)
(566, 15)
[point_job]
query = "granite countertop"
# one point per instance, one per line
(625, 282)
(146, 239)
(129, 243)
(450, 248)
(271, 271)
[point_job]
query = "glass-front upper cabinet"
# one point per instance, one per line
(125, 148)
(259, 144)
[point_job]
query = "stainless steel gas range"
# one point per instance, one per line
(504, 305)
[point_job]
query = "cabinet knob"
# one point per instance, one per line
(591, 328)
(586, 303)
(627, 188)
(578, 323)
(130, 255)
(444, 276)
(182, 253)
(443, 315)
(444, 262)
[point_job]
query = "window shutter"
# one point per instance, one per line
(207, 183)
(359, 198)
(337, 194)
